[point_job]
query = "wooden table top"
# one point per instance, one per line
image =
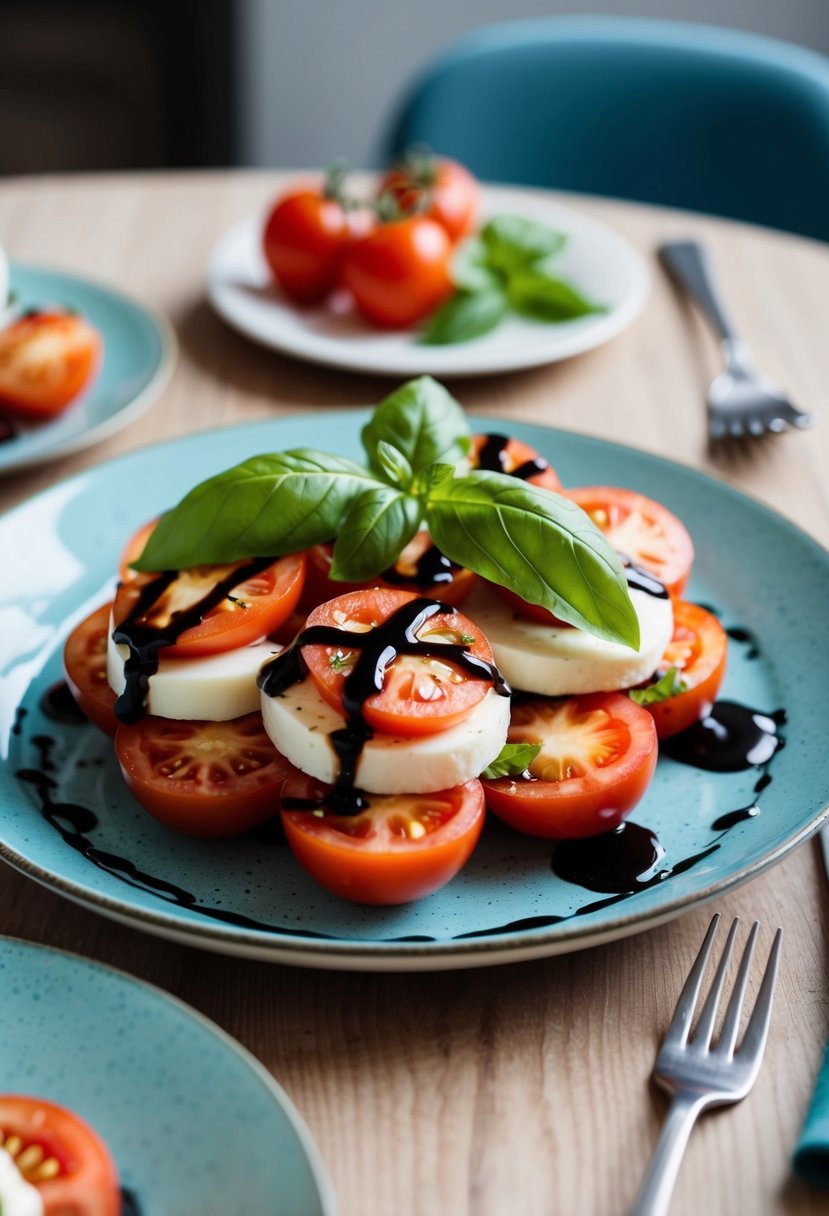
(520, 1088)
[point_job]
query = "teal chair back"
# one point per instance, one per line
(682, 115)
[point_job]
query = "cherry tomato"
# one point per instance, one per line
(253, 609)
(400, 848)
(85, 665)
(420, 568)
(598, 753)
(438, 187)
(421, 695)
(503, 454)
(399, 273)
(46, 358)
(640, 529)
(698, 650)
(203, 778)
(305, 237)
(61, 1156)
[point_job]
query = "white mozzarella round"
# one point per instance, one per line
(17, 1197)
(215, 688)
(300, 721)
(559, 662)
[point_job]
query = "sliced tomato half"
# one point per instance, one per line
(85, 666)
(422, 693)
(698, 650)
(398, 849)
(203, 778)
(46, 358)
(61, 1156)
(642, 530)
(503, 454)
(598, 754)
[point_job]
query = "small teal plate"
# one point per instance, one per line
(139, 355)
(768, 581)
(196, 1126)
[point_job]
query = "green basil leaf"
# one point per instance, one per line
(542, 546)
(433, 476)
(536, 293)
(470, 269)
(270, 504)
(512, 760)
(377, 526)
(394, 465)
(466, 315)
(512, 241)
(669, 685)
(423, 421)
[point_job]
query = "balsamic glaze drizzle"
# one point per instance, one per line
(8, 429)
(129, 1203)
(492, 458)
(432, 569)
(642, 580)
(376, 648)
(58, 704)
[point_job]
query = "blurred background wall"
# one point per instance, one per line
(87, 84)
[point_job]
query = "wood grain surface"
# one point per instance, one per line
(524, 1088)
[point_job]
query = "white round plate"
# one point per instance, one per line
(602, 265)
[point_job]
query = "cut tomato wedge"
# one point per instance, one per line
(203, 778)
(421, 693)
(597, 756)
(398, 849)
(61, 1156)
(85, 666)
(46, 358)
(698, 650)
(502, 454)
(642, 530)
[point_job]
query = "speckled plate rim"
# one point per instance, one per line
(322, 1182)
(132, 409)
(521, 946)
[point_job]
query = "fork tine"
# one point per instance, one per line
(754, 1040)
(802, 420)
(776, 425)
(677, 1033)
(735, 429)
(705, 1028)
(716, 428)
(731, 1024)
(755, 427)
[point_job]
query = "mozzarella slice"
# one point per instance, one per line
(215, 688)
(300, 721)
(560, 662)
(17, 1197)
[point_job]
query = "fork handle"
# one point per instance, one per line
(688, 264)
(658, 1185)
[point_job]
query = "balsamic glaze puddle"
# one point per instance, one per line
(58, 704)
(432, 569)
(8, 429)
(493, 458)
(129, 1203)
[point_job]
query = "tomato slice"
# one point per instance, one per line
(501, 454)
(46, 358)
(253, 608)
(398, 849)
(642, 530)
(421, 568)
(598, 754)
(203, 778)
(61, 1156)
(422, 693)
(698, 649)
(85, 666)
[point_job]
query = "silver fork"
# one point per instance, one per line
(741, 400)
(697, 1075)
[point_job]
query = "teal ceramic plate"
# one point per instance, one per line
(139, 355)
(196, 1126)
(768, 581)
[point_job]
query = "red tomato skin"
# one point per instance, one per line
(201, 806)
(87, 1184)
(350, 869)
(399, 273)
(514, 455)
(304, 240)
(454, 196)
(582, 806)
(85, 668)
(700, 631)
(40, 387)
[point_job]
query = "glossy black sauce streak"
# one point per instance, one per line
(730, 820)
(376, 649)
(493, 458)
(432, 569)
(642, 580)
(144, 641)
(129, 1203)
(58, 705)
(730, 739)
(19, 716)
(8, 429)
(745, 638)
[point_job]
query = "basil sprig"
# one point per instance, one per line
(512, 760)
(508, 267)
(668, 685)
(542, 546)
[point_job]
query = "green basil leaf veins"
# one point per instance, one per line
(540, 295)
(669, 685)
(466, 315)
(433, 476)
(423, 421)
(394, 465)
(512, 242)
(542, 546)
(376, 527)
(512, 760)
(268, 505)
